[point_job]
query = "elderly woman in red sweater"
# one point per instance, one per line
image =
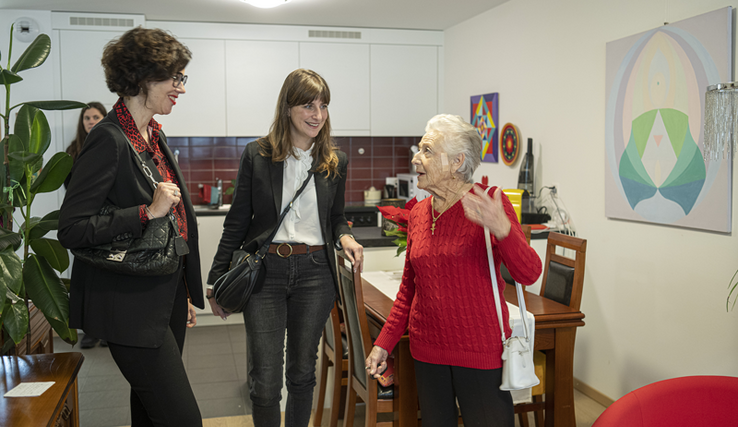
(446, 296)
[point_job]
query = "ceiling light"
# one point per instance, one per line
(266, 4)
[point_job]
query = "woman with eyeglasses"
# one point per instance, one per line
(143, 318)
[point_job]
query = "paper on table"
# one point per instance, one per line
(29, 389)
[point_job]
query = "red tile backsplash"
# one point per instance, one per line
(203, 159)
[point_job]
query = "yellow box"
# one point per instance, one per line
(516, 198)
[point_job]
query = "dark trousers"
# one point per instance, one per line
(160, 391)
(481, 401)
(297, 297)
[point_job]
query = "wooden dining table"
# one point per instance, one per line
(555, 334)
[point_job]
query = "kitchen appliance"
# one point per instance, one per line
(372, 196)
(362, 216)
(526, 179)
(407, 187)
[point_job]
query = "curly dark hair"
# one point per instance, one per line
(140, 56)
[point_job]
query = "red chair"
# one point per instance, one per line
(677, 402)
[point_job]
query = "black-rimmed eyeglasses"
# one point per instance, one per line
(179, 78)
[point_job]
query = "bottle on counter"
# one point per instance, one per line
(526, 179)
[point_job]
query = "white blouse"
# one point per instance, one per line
(302, 223)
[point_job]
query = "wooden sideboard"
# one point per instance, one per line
(56, 407)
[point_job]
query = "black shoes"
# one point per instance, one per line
(90, 342)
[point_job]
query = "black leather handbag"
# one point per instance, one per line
(156, 253)
(246, 276)
(152, 254)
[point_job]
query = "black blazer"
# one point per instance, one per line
(128, 310)
(257, 203)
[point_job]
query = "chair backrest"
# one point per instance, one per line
(677, 402)
(563, 277)
(503, 268)
(333, 329)
(354, 313)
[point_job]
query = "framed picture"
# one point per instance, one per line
(484, 116)
(656, 81)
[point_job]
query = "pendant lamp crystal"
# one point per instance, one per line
(266, 4)
(721, 121)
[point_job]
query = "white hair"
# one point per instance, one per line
(458, 137)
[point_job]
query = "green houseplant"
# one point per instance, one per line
(23, 175)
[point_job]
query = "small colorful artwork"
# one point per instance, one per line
(509, 143)
(484, 115)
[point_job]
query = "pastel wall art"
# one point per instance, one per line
(654, 138)
(484, 116)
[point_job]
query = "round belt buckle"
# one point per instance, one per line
(280, 253)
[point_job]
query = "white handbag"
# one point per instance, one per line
(518, 370)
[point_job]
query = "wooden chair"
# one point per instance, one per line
(563, 282)
(332, 353)
(360, 344)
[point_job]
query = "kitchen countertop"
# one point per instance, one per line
(369, 237)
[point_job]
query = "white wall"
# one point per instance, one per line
(39, 84)
(654, 296)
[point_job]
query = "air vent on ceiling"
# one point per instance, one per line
(335, 34)
(100, 22)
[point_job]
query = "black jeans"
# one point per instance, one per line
(160, 391)
(481, 401)
(297, 298)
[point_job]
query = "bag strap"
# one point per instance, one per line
(265, 247)
(496, 288)
(144, 169)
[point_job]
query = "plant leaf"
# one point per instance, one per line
(9, 239)
(53, 174)
(53, 252)
(34, 55)
(40, 138)
(23, 124)
(15, 320)
(46, 224)
(48, 293)
(26, 157)
(15, 145)
(67, 283)
(11, 268)
(56, 105)
(19, 196)
(8, 77)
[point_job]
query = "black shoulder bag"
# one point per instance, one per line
(156, 253)
(233, 289)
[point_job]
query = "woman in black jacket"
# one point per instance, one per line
(301, 282)
(143, 318)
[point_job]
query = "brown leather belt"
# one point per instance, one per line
(285, 250)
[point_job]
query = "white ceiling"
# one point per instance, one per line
(405, 14)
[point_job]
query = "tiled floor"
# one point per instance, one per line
(215, 359)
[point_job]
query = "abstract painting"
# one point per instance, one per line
(654, 138)
(484, 115)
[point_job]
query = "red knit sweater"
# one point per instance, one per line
(446, 293)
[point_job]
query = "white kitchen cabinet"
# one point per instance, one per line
(201, 111)
(255, 71)
(83, 78)
(404, 89)
(346, 69)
